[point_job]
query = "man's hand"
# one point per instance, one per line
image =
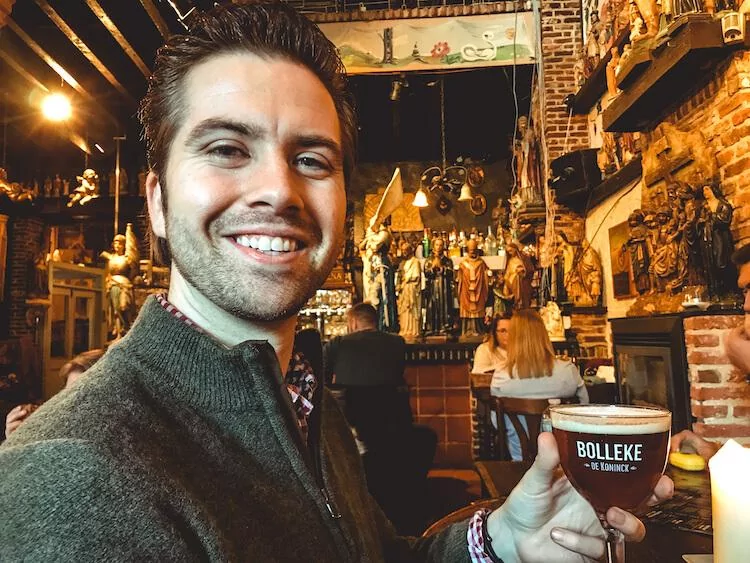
(545, 519)
(15, 417)
(688, 442)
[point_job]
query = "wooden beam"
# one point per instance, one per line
(119, 37)
(11, 62)
(83, 48)
(47, 58)
(153, 13)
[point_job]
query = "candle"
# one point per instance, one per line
(730, 492)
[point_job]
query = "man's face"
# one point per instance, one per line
(743, 282)
(501, 331)
(255, 186)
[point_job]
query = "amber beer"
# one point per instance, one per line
(612, 454)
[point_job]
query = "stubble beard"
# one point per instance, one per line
(251, 295)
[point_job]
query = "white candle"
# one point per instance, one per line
(730, 492)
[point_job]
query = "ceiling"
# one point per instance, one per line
(100, 51)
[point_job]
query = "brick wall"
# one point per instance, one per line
(24, 237)
(591, 332)
(561, 38)
(720, 396)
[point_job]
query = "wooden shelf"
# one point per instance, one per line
(576, 200)
(56, 211)
(679, 65)
(596, 84)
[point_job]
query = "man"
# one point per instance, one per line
(367, 366)
(737, 347)
(187, 443)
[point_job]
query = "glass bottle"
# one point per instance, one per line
(490, 243)
(426, 246)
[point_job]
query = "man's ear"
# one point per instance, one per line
(155, 207)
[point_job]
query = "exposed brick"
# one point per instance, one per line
(696, 357)
(710, 411)
(722, 430)
(709, 322)
(724, 392)
(703, 340)
(741, 411)
(708, 376)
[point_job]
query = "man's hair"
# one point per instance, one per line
(741, 256)
(266, 28)
(81, 362)
(364, 313)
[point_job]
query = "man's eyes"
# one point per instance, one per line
(309, 161)
(224, 152)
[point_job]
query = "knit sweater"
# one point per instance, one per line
(174, 448)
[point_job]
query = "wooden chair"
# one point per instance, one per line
(532, 409)
(461, 514)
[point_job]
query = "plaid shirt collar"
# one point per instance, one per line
(300, 379)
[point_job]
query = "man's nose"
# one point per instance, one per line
(275, 183)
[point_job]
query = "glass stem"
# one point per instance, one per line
(615, 546)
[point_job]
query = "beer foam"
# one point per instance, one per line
(610, 419)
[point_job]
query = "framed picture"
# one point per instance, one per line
(622, 278)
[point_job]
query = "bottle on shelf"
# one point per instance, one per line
(490, 243)
(426, 244)
(462, 243)
(453, 248)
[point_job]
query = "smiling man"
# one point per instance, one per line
(200, 436)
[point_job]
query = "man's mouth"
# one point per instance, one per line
(267, 244)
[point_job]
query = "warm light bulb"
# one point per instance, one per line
(420, 199)
(56, 107)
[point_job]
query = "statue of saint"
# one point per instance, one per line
(87, 189)
(378, 276)
(637, 248)
(611, 72)
(123, 265)
(553, 321)
(716, 240)
(526, 155)
(13, 190)
(473, 290)
(438, 299)
(664, 257)
(409, 290)
(517, 277)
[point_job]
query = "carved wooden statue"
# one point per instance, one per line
(715, 239)
(637, 246)
(87, 189)
(517, 277)
(409, 289)
(526, 155)
(122, 268)
(612, 89)
(438, 298)
(473, 290)
(648, 12)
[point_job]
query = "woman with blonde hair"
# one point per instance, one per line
(532, 371)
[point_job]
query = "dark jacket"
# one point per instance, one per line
(367, 357)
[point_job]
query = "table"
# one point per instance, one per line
(663, 543)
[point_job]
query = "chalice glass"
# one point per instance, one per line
(613, 455)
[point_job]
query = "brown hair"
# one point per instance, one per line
(529, 347)
(81, 362)
(364, 313)
(491, 338)
(267, 28)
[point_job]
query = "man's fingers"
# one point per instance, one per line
(589, 546)
(542, 473)
(632, 528)
(663, 491)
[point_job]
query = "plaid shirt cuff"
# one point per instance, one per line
(474, 538)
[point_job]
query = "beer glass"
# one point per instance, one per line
(613, 455)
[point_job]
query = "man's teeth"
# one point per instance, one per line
(265, 244)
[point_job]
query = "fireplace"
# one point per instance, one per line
(651, 364)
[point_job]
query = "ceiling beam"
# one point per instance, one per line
(47, 58)
(153, 13)
(11, 62)
(83, 48)
(119, 37)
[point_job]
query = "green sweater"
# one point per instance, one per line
(174, 448)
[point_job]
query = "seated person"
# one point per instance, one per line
(533, 372)
(368, 365)
(492, 354)
(70, 372)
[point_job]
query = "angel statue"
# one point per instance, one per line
(122, 267)
(13, 190)
(87, 189)
(378, 275)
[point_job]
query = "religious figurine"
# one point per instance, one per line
(648, 27)
(526, 157)
(123, 266)
(517, 277)
(48, 187)
(611, 72)
(627, 50)
(409, 289)
(553, 321)
(579, 69)
(13, 190)
(57, 186)
(501, 219)
(716, 241)
(438, 297)
(87, 189)
(583, 272)
(473, 290)
(664, 258)
(637, 248)
(592, 43)
(379, 276)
